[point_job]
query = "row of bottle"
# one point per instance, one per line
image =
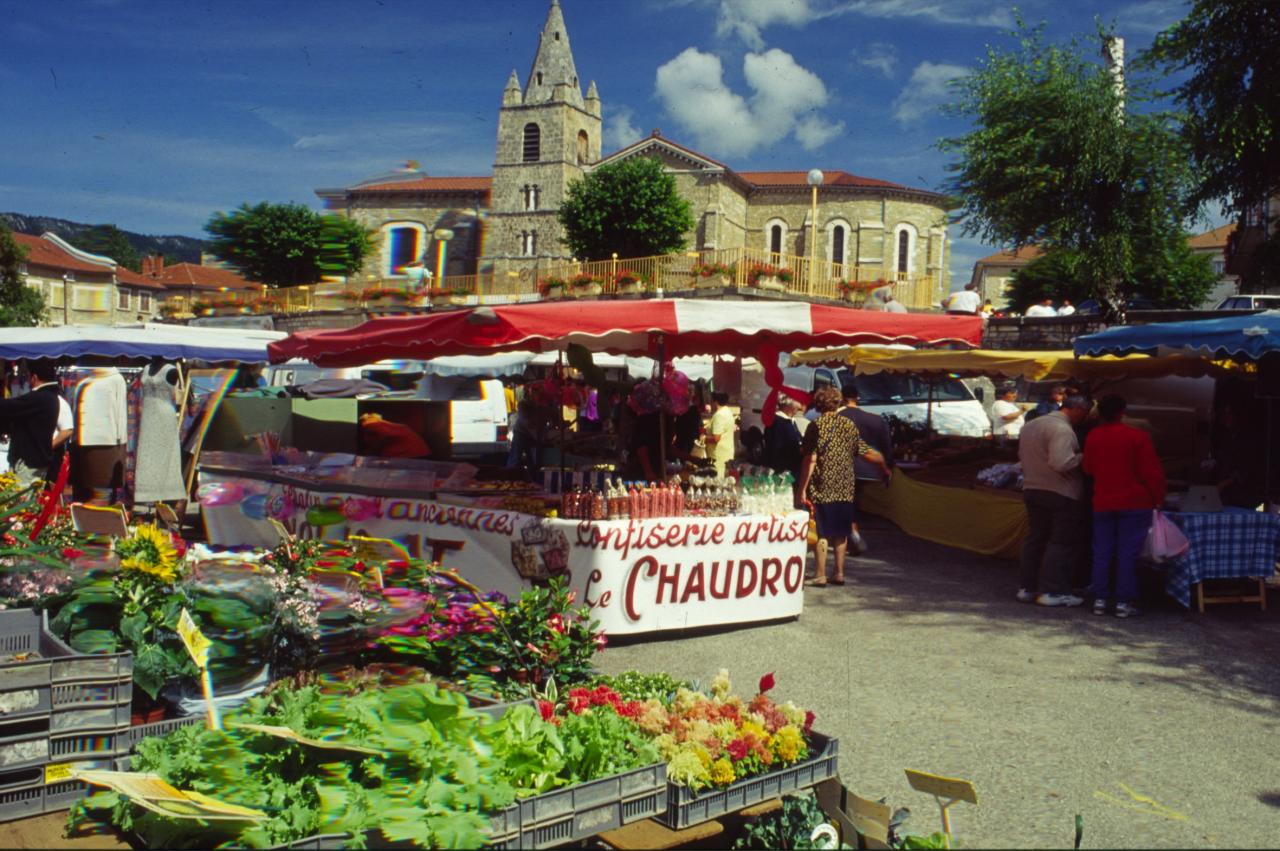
(643, 500)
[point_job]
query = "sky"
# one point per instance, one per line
(153, 114)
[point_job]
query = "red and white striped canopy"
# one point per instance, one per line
(685, 326)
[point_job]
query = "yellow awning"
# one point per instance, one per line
(1032, 365)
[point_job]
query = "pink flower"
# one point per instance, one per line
(808, 721)
(556, 624)
(766, 682)
(601, 640)
(738, 750)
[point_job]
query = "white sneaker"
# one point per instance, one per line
(1126, 610)
(857, 544)
(1059, 600)
(1025, 595)
(1099, 605)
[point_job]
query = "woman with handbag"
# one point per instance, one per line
(1128, 484)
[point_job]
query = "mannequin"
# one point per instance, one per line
(102, 423)
(158, 468)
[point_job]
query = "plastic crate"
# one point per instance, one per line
(686, 808)
(581, 811)
(40, 674)
(161, 728)
(33, 742)
(41, 789)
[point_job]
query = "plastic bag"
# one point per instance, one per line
(1165, 541)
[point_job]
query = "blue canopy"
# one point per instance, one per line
(1248, 337)
(138, 343)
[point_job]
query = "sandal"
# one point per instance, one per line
(817, 583)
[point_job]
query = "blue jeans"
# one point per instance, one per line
(1117, 539)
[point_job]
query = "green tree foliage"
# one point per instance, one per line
(1231, 49)
(287, 244)
(1168, 273)
(1055, 159)
(629, 207)
(109, 241)
(19, 303)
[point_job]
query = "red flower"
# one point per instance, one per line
(601, 641)
(72, 552)
(548, 711)
(556, 624)
(738, 750)
(578, 701)
(808, 721)
(766, 682)
(630, 709)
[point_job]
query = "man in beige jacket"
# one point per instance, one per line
(1053, 489)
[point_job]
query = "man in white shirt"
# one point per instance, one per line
(1006, 415)
(1044, 308)
(1067, 308)
(966, 301)
(892, 305)
(720, 432)
(62, 432)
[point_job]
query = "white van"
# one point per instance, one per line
(955, 409)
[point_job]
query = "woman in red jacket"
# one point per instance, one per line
(1128, 482)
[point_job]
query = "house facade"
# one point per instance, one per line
(549, 134)
(81, 288)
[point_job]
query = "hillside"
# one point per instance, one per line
(183, 248)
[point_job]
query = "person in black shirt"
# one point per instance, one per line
(30, 421)
(876, 433)
(782, 439)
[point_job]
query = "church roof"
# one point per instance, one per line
(1216, 238)
(791, 179)
(428, 184)
(553, 63)
(1020, 257)
(195, 276)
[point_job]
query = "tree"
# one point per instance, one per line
(1169, 274)
(109, 241)
(1057, 159)
(19, 303)
(1232, 104)
(287, 244)
(629, 207)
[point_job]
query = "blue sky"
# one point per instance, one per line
(152, 115)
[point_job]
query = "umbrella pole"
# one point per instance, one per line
(928, 414)
(662, 416)
(560, 415)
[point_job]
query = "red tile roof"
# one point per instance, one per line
(133, 279)
(195, 276)
(429, 184)
(1023, 255)
(42, 252)
(801, 179)
(1216, 238)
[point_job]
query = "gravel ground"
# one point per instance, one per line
(1161, 730)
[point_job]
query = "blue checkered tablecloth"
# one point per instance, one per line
(1224, 545)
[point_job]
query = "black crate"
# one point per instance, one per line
(43, 789)
(686, 808)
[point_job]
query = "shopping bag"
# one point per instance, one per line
(1165, 541)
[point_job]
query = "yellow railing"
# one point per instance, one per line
(784, 274)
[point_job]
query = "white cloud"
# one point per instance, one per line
(618, 129)
(969, 12)
(1148, 17)
(878, 56)
(746, 18)
(786, 99)
(926, 90)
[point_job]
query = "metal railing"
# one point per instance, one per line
(744, 268)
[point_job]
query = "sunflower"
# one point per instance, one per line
(149, 550)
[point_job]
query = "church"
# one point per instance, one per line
(549, 134)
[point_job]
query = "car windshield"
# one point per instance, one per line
(887, 389)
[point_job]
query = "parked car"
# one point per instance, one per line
(1091, 306)
(1250, 302)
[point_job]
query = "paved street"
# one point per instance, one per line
(1161, 731)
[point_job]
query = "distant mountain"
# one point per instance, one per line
(185, 248)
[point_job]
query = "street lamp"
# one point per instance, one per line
(443, 235)
(66, 296)
(815, 180)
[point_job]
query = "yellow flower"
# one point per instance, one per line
(754, 728)
(666, 745)
(722, 772)
(720, 685)
(150, 550)
(787, 744)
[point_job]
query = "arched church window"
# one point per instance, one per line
(904, 251)
(777, 232)
(403, 244)
(532, 140)
(539, 76)
(837, 245)
(583, 147)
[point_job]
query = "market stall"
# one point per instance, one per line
(1231, 544)
(715, 551)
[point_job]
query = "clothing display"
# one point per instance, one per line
(102, 432)
(158, 468)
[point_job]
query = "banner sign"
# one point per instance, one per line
(636, 575)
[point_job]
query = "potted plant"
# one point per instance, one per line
(447, 297)
(767, 277)
(375, 296)
(713, 274)
(629, 282)
(856, 291)
(584, 284)
(552, 287)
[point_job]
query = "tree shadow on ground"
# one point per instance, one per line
(1226, 655)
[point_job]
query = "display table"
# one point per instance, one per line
(981, 520)
(1230, 544)
(637, 576)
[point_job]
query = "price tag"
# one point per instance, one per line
(197, 645)
(942, 787)
(58, 772)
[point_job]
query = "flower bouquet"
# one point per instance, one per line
(552, 287)
(713, 274)
(584, 285)
(768, 277)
